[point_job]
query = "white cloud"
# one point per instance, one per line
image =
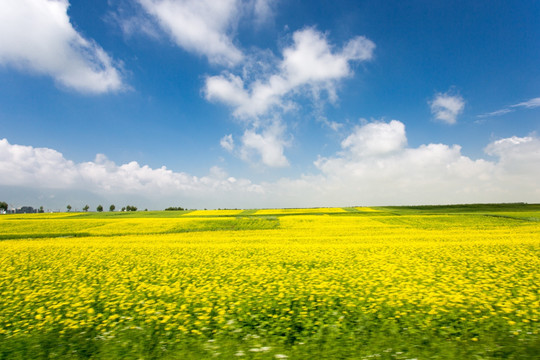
(26, 166)
(227, 142)
(205, 27)
(132, 20)
(507, 147)
(446, 107)
(309, 64)
(311, 60)
(496, 113)
(335, 126)
(387, 173)
(263, 10)
(269, 145)
(38, 37)
(265, 145)
(529, 104)
(228, 88)
(376, 138)
(517, 155)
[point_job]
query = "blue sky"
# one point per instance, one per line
(261, 103)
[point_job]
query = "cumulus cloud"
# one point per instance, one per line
(26, 166)
(374, 167)
(269, 145)
(446, 107)
(37, 36)
(308, 64)
(204, 27)
(517, 154)
(376, 138)
(264, 145)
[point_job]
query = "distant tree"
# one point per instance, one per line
(68, 208)
(99, 208)
(3, 205)
(131, 208)
(112, 207)
(86, 207)
(124, 208)
(41, 210)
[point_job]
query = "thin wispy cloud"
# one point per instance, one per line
(132, 20)
(203, 27)
(227, 142)
(263, 10)
(529, 104)
(496, 113)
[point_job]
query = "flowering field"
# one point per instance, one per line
(351, 283)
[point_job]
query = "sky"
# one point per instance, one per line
(268, 103)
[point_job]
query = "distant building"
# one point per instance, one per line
(26, 210)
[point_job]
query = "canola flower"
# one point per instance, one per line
(286, 287)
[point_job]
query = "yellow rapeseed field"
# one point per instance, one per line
(299, 211)
(338, 283)
(214, 212)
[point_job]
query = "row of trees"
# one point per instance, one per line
(100, 208)
(4, 206)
